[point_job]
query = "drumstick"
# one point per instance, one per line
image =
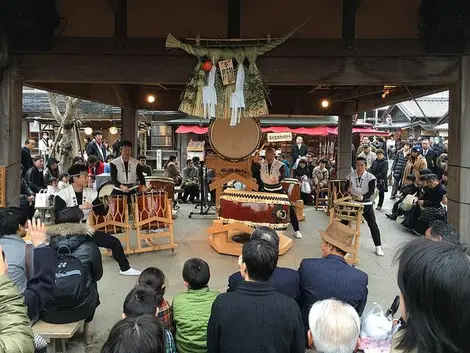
(261, 148)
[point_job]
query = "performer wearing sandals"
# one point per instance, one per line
(126, 172)
(272, 173)
(78, 194)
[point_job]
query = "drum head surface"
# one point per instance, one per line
(105, 189)
(235, 143)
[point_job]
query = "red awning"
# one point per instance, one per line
(312, 131)
(186, 129)
(363, 131)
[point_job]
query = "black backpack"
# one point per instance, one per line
(70, 280)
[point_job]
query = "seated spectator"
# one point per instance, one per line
(255, 318)
(146, 169)
(95, 166)
(442, 231)
(302, 169)
(334, 327)
(143, 334)
(52, 187)
(16, 334)
(434, 282)
(34, 176)
(71, 236)
(191, 309)
(410, 188)
(52, 170)
(107, 167)
(190, 183)
(284, 280)
(63, 181)
(142, 300)
(78, 160)
(330, 276)
(155, 279)
(20, 258)
(320, 174)
(282, 158)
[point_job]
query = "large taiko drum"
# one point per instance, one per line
(292, 187)
(235, 143)
(151, 204)
(255, 209)
(162, 184)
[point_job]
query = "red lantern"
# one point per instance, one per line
(206, 65)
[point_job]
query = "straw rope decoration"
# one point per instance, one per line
(253, 98)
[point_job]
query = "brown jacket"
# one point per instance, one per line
(414, 167)
(171, 171)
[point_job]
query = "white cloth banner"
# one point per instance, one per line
(237, 101)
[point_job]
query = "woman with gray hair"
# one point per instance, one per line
(334, 327)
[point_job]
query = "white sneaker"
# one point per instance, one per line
(379, 251)
(130, 272)
(298, 235)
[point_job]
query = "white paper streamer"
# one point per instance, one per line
(209, 95)
(237, 100)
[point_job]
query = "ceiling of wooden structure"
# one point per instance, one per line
(113, 51)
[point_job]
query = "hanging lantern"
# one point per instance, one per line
(88, 131)
(206, 65)
(113, 130)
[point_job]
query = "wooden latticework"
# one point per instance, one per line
(349, 212)
(337, 189)
(153, 220)
(3, 183)
(326, 192)
(115, 222)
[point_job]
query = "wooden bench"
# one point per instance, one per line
(60, 332)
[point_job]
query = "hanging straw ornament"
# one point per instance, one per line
(209, 95)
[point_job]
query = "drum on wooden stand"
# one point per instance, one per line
(292, 187)
(235, 143)
(161, 184)
(117, 210)
(151, 204)
(255, 209)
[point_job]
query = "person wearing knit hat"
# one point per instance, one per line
(416, 163)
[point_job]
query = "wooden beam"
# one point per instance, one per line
(10, 132)
(349, 19)
(120, 18)
(275, 70)
(234, 18)
(129, 128)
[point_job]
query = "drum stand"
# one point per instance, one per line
(204, 208)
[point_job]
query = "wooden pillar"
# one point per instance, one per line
(10, 132)
(129, 127)
(343, 163)
(459, 158)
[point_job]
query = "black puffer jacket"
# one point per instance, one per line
(379, 169)
(399, 165)
(78, 238)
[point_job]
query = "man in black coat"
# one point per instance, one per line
(430, 155)
(34, 176)
(255, 318)
(26, 160)
(298, 150)
(96, 147)
(398, 167)
(284, 280)
(331, 276)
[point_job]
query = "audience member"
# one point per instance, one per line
(142, 300)
(255, 318)
(20, 257)
(442, 231)
(26, 159)
(368, 155)
(410, 188)
(143, 334)
(320, 174)
(398, 167)
(155, 279)
(380, 169)
(434, 282)
(191, 309)
(330, 276)
(284, 280)
(15, 332)
(190, 182)
(70, 236)
(415, 163)
(27, 197)
(52, 170)
(146, 169)
(96, 147)
(334, 327)
(172, 171)
(34, 176)
(95, 166)
(64, 179)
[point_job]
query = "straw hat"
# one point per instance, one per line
(339, 235)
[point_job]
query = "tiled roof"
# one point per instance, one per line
(433, 106)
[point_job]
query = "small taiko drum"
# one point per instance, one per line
(161, 184)
(117, 208)
(151, 204)
(255, 209)
(292, 187)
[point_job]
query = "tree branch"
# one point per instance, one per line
(55, 107)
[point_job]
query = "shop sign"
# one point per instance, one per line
(279, 136)
(227, 72)
(196, 146)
